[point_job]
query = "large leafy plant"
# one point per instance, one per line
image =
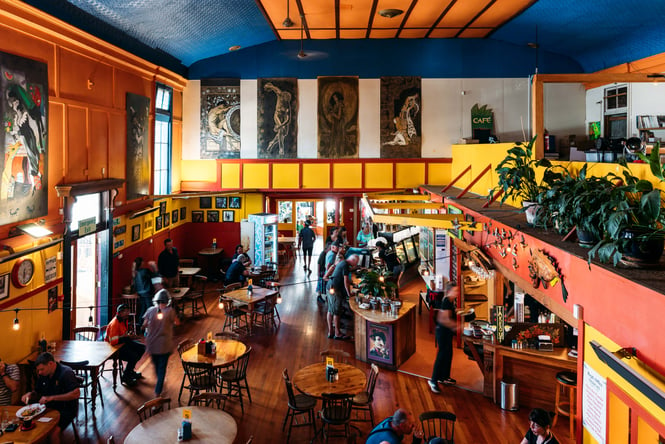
(376, 283)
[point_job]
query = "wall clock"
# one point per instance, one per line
(23, 271)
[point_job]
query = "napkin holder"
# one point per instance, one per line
(545, 343)
(332, 374)
(207, 348)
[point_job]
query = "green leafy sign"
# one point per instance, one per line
(482, 117)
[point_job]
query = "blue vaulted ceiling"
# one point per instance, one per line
(587, 35)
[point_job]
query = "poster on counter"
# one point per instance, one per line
(50, 269)
(594, 403)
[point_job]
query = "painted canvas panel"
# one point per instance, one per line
(401, 134)
(24, 139)
(220, 119)
(138, 149)
(338, 117)
(277, 118)
(380, 343)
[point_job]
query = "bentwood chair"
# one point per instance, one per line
(82, 372)
(132, 301)
(438, 424)
(85, 333)
(196, 294)
(234, 318)
(234, 380)
(264, 314)
(185, 344)
(202, 377)
(336, 413)
(298, 405)
(152, 407)
(362, 402)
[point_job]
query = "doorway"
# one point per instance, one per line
(323, 213)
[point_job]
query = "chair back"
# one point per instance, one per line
(102, 333)
(80, 370)
(338, 355)
(231, 287)
(186, 262)
(152, 407)
(201, 374)
(131, 300)
(228, 305)
(241, 364)
(438, 423)
(85, 333)
(228, 335)
(336, 408)
(184, 345)
(289, 387)
(371, 382)
(206, 399)
(198, 284)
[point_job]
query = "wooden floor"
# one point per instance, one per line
(297, 343)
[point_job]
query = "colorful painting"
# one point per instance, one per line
(138, 149)
(158, 223)
(24, 141)
(52, 299)
(162, 208)
(166, 220)
(174, 216)
(136, 232)
(220, 202)
(277, 119)
(401, 132)
(235, 202)
(220, 119)
(338, 117)
(380, 343)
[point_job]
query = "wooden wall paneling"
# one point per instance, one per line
(177, 105)
(76, 71)
(176, 153)
(76, 148)
(98, 152)
(56, 153)
(128, 82)
(118, 149)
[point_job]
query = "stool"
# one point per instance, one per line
(565, 380)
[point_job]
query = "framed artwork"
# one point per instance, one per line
(277, 118)
(400, 117)
(166, 220)
(136, 232)
(120, 229)
(158, 223)
(220, 119)
(147, 225)
(138, 149)
(205, 202)
(380, 343)
(197, 217)
(338, 107)
(183, 213)
(162, 208)
(235, 202)
(174, 216)
(212, 216)
(4, 286)
(228, 216)
(52, 299)
(220, 202)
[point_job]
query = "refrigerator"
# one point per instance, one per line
(264, 242)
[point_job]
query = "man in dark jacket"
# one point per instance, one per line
(306, 240)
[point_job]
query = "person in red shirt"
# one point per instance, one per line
(117, 333)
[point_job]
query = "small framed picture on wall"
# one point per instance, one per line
(228, 216)
(52, 299)
(158, 223)
(197, 217)
(213, 216)
(183, 213)
(136, 232)
(162, 208)
(221, 202)
(166, 220)
(205, 202)
(235, 202)
(174, 216)
(4, 286)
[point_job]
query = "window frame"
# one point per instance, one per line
(162, 185)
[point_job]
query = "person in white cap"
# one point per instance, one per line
(158, 323)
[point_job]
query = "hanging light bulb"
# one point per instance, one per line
(332, 290)
(90, 320)
(221, 303)
(160, 315)
(382, 279)
(16, 325)
(279, 298)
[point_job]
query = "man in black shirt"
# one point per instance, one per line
(168, 264)
(340, 291)
(57, 387)
(446, 326)
(306, 240)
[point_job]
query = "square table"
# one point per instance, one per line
(259, 294)
(186, 274)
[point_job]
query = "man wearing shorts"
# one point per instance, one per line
(340, 290)
(306, 239)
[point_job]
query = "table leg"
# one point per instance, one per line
(94, 374)
(250, 321)
(115, 372)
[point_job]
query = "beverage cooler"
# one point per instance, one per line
(261, 230)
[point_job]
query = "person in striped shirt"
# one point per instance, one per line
(9, 381)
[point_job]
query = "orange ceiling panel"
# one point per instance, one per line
(289, 34)
(323, 34)
(500, 12)
(320, 14)
(474, 33)
(352, 33)
(462, 13)
(385, 22)
(413, 33)
(383, 34)
(425, 13)
(354, 14)
(444, 33)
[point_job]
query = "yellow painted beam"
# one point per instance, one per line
(408, 206)
(401, 197)
(447, 221)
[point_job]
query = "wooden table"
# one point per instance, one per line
(95, 352)
(228, 351)
(311, 380)
(178, 297)
(258, 294)
(188, 272)
(289, 244)
(39, 433)
(209, 425)
(210, 261)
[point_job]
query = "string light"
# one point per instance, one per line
(90, 320)
(332, 290)
(16, 325)
(160, 315)
(279, 298)
(221, 303)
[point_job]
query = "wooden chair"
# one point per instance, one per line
(186, 262)
(298, 405)
(228, 335)
(278, 297)
(264, 314)
(132, 301)
(336, 413)
(206, 399)
(438, 424)
(234, 317)
(234, 380)
(182, 346)
(86, 383)
(338, 355)
(196, 294)
(201, 376)
(85, 333)
(362, 402)
(155, 405)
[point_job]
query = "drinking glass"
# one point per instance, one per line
(5, 420)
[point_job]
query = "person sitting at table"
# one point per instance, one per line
(237, 271)
(58, 388)
(10, 378)
(239, 250)
(394, 428)
(158, 323)
(142, 284)
(132, 350)
(341, 290)
(539, 429)
(364, 235)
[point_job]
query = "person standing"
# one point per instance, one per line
(168, 264)
(364, 235)
(142, 284)
(321, 284)
(10, 378)
(117, 333)
(158, 323)
(341, 290)
(306, 239)
(446, 326)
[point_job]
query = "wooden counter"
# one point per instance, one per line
(535, 371)
(403, 328)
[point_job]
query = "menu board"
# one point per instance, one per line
(594, 403)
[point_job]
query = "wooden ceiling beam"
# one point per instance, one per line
(370, 22)
(438, 20)
(267, 17)
(517, 14)
(301, 11)
(406, 17)
(482, 11)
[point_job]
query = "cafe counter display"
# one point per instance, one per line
(383, 338)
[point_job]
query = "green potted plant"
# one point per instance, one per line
(517, 177)
(374, 284)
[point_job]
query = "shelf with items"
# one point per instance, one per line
(650, 122)
(477, 293)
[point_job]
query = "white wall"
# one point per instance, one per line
(446, 114)
(565, 110)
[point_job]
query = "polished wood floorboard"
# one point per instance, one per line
(297, 343)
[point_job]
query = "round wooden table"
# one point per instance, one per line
(311, 380)
(209, 425)
(228, 351)
(41, 430)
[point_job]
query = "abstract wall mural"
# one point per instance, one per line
(24, 141)
(401, 134)
(338, 117)
(220, 119)
(277, 118)
(138, 147)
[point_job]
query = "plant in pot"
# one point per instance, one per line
(517, 177)
(374, 285)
